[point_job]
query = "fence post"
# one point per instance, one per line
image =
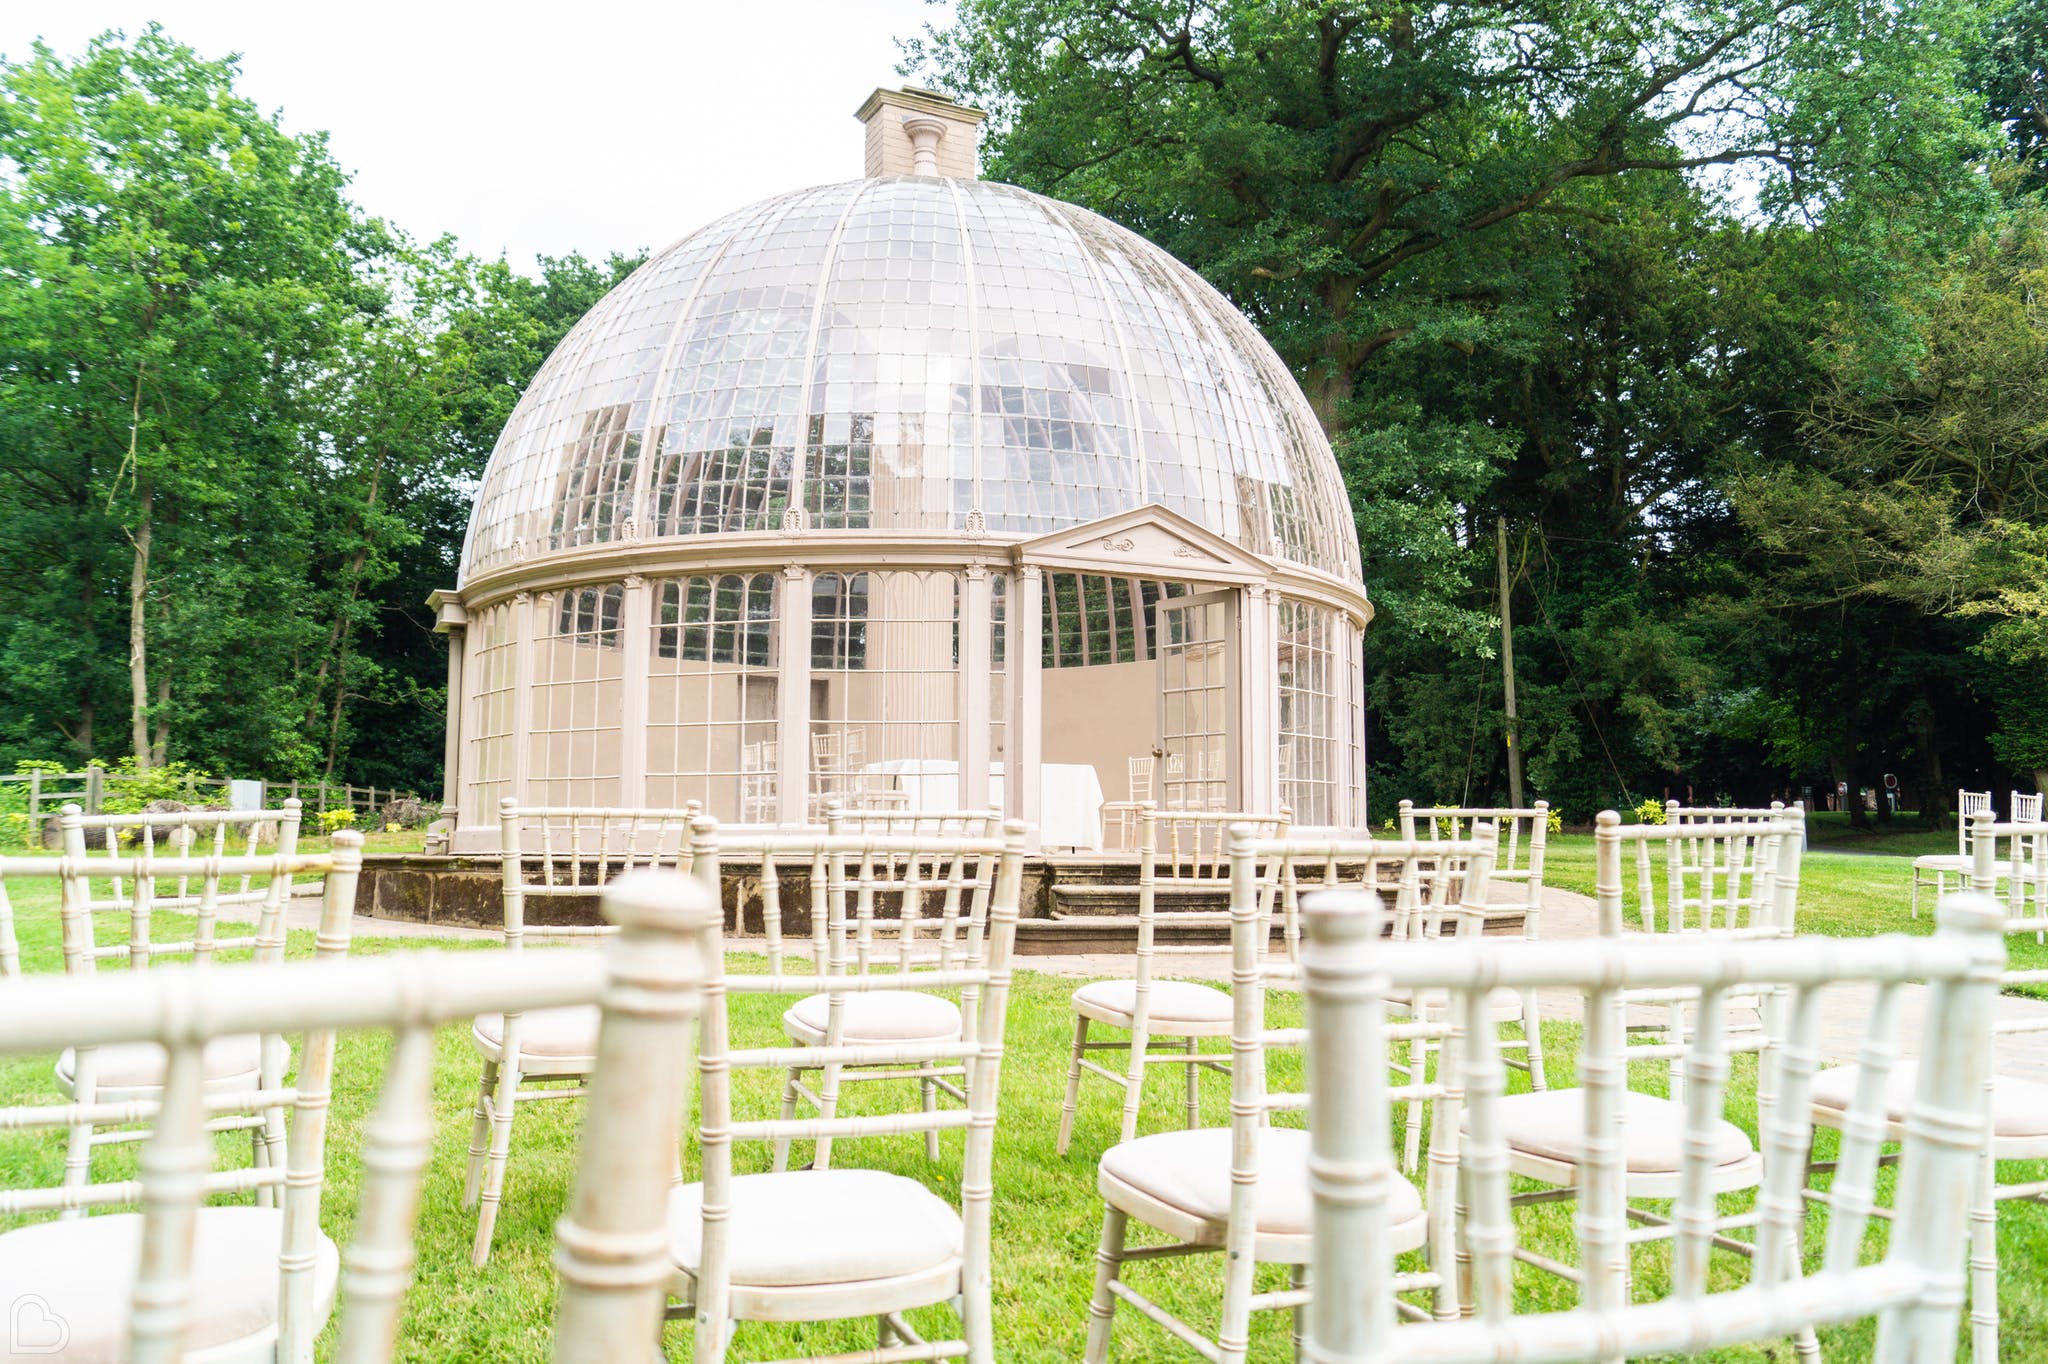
(35, 799)
(93, 782)
(323, 797)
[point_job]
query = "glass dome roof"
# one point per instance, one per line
(898, 353)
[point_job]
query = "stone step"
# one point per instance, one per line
(1092, 900)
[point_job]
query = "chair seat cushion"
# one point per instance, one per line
(2019, 1108)
(814, 1227)
(1957, 865)
(1190, 1171)
(877, 1016)
(1552, 1126)
(84, 1273)
(557, 1034)
(140, 1065)
(1171, 1001)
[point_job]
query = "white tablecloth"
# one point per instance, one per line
(1069, 795)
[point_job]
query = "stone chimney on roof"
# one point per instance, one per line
(919, 132)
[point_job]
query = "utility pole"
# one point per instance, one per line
(1507, 666)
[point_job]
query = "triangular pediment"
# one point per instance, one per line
(1150, 542)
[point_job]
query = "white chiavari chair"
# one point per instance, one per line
(550, 853)
(1125, 812)
(183, 1279)
(1564, 1140)
(907, 823)
(169, 907)
(2026, 808)
(1361, 1205)
(1432, 897)
(757, 782)
(1180, 852)
(1521, 838)
(881, 891)
(1958, 863)
(2019, 1108)
(1728, 880)
(186, 833)
(829, 1244)
(1244, 1190)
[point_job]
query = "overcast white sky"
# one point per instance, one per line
(522, 128)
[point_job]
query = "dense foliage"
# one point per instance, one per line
(1728, 309)
(239, 422)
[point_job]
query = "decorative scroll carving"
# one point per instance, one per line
(793, 519)
(1188, 552)
(977, 522)
(1122, 544)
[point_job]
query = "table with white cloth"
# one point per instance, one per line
(1069, 795)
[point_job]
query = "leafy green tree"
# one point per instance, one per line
(176, 265)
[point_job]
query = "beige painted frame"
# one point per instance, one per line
(1149, 541)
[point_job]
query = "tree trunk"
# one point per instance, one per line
(88, 598)
(160, 747)
(138, 647)
(1934, 803)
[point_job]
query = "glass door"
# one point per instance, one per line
(1197, 653)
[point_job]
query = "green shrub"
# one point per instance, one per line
(1650, 811)
(342, 818)
(126, 791)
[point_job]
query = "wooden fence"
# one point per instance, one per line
(49, 792)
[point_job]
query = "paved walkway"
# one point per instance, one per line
(1845, 1011)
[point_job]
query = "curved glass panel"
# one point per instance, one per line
(897, 354)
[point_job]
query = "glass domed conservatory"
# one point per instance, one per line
(912, 492)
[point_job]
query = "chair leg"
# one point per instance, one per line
(1134, 1082)
(789, 1100)
(931, 1105)
(78, 1141)
(1300, 1314)
(494, 1174)
(479, 1136)
(828, 1108)
(1532, 1039)
(1109, 1259)
(1073, 1098)
(259, 1159)
(1419, 1052)
(1984, 1263)
(1194, 1078)
(1455, 1294)
(503, 1102)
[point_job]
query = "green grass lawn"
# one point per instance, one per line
(1047, 1215)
